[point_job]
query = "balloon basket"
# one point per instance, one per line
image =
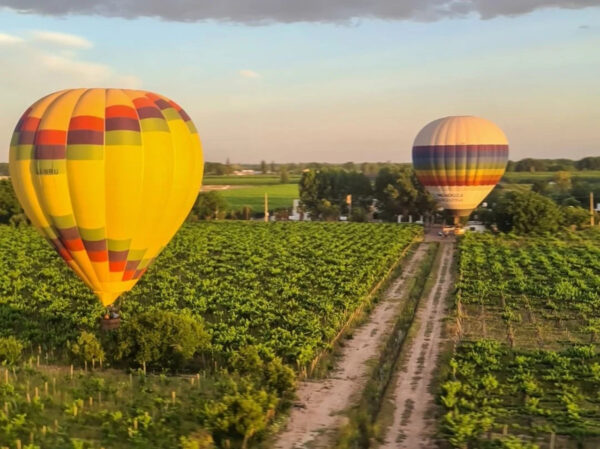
(109, 324)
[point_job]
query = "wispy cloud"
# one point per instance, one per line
(251, 74)
(8, 39)
(62, 39)
(267, 11)
(35, 69)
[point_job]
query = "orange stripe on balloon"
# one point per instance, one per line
(86, 122)
(98, 256)
(117, 266)
(50, 137)
(120, 111)
(143, 102)
(74, 245)
(128, 275)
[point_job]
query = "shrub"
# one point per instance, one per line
(87, 348)
(11, 350)
(164, 339)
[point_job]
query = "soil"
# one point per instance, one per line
(412, 426)
(320, 404)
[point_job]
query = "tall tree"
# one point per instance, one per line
(209, 206)
(284, 177)
(263, 167)
(398, 192)
(527, 213)
(324, 192)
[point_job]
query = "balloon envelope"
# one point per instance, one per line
(459, 160)
(107, 176)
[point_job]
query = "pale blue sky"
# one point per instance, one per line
(359, 90)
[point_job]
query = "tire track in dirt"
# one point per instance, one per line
(411, 429)
(317, 413)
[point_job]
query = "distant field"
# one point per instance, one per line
(280, 196)
(515, 187)
(247, 180)
(529, 177)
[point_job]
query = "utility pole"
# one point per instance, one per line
(592, 208)
(266, 208)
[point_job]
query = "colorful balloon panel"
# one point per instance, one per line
(107, 176)
(459, 160)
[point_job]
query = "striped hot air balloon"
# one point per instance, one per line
(107, 176)
(459, 160)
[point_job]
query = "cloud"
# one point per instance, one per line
(62, 39)
(37, 69)
(7, 39)
(267, 11)
(249, 74)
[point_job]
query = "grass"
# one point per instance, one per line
(247, 180)
(280, 196)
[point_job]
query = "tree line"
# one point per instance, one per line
(371, 169)
(328, 193)
(546, 165)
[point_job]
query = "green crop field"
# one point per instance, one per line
(264, 300)
(531, 177)
(527, 373)
(247, 180)
(280, 196)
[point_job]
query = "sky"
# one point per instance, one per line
(330, 81)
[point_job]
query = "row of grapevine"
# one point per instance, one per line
(268, 296)
(525, 374)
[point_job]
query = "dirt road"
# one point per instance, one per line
(411, 429)
(318, 411)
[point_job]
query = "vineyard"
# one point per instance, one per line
(259, 299)
(526, 374)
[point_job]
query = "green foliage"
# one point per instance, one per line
(242, 411)
(270, 297)
(358, 214)
(527, 213)
(11, 350)
(209, 206)
(199, 440)
(10, 210)
(162, 339)
(88, 348)
(398, 192)
(539, 298)
(246, 213)
(577, 217)
(323, 192)
(284, 176)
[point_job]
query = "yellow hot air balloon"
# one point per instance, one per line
(107, 176)
(459, 160)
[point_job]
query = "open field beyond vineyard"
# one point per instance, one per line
(281, 196)
(527, 372)
(271, 297)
